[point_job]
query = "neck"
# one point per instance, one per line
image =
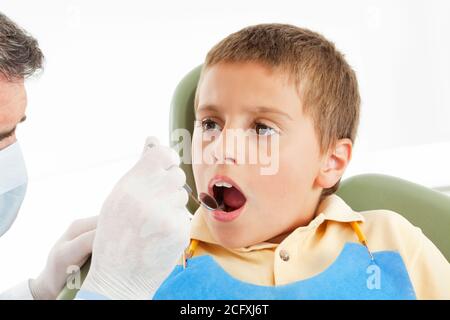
(279, 238)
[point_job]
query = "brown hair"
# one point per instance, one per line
(327, 84)
(20, 55)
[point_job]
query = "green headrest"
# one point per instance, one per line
(182, 117)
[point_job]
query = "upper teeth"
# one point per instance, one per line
(222, 184)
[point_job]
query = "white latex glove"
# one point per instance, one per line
(143, 228)
(72, 249)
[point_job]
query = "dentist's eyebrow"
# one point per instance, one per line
(6, 134)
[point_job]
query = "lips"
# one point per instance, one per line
(228, 195)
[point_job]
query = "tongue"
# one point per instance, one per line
(233, 198)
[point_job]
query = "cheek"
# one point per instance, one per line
(202, 146)
(202, 156)
(295, 176)
(196, 152)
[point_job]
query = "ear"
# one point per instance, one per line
(334, 164)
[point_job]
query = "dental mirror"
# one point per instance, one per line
(208, 202)
(204, 199)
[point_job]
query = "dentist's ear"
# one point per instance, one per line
(334, 163)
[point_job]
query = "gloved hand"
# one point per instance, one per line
(143, 228)
(72, 249)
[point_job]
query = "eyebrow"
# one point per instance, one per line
(263, 109)
(258, 109)
(5, 135)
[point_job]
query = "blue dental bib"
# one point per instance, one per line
(348, 277)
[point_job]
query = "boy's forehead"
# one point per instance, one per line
(246, 73)
(248, 84)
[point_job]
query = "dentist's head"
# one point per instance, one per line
(20, 57)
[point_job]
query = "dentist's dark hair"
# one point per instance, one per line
(20, 56)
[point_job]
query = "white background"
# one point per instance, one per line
(111, 68)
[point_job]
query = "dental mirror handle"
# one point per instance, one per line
(191, 194)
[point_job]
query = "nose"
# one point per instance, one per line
(226, 146)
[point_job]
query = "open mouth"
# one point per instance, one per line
(228, 197)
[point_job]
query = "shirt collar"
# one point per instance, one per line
(331, 208)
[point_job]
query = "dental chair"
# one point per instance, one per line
(423, 207)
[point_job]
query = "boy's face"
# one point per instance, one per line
(233, 99)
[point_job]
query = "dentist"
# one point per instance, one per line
(143, 227)
(21, 57)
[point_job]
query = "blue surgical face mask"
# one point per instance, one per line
(13, 184)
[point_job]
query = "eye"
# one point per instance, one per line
(264, 130)
(208, 125)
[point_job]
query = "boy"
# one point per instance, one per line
(286, 235)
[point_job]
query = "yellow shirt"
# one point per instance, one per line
(311, 249)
